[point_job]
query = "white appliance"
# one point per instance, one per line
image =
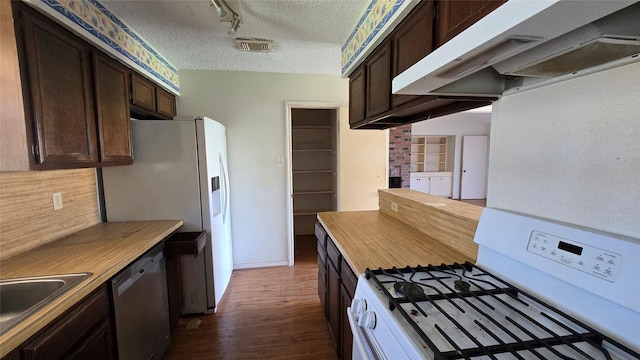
(525, 44)
(179, 172)
(540, 290)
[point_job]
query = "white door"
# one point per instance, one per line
(474, 167)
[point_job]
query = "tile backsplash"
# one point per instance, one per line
(27, 215)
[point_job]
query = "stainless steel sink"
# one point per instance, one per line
(21, 297)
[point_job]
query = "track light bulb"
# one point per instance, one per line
(219, 9)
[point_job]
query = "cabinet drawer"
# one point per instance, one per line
(65, 333)
(322, 289)
(349, 279)
(333, 254)
(322, 255)
(321, 235)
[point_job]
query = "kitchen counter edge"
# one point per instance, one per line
(103, 249)
(372, 239)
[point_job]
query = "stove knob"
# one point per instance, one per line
(367, 320)
(358, 306)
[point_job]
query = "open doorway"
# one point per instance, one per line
(313, 171)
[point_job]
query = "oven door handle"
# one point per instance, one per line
(358, 341)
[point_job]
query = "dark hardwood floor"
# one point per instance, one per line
(266, 313)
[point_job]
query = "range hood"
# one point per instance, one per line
(526, 44)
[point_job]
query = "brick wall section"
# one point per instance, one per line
(400, 152)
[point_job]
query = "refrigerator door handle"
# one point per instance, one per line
(225, 188)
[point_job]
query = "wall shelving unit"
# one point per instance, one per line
(428, 153)
(313, 147)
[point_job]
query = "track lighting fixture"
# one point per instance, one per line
(235, 23)
(219, 9)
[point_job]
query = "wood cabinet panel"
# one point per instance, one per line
(357, 95)
(149, 101)
(338, 282)
(412, 41)
(97, 346)
(76, 100)
(346, 341)
(57, 67)
(333, 254)
(143, 93)
(349, 279)
(455, 16)
(334, 310)
(174, 289)
(322, 286)
(112, 104)
(166, 103)
(84, 330)
(378, 81)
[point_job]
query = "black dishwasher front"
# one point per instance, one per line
(141, 308)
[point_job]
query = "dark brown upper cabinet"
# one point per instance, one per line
(143, 93)
(112, 109)
(357, 94)
(57, 70)
(75, 99)
(165, 103)
(149, 101)
(455, 16)
(378, 65)
(412, 40)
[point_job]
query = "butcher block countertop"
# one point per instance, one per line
(103, 250)
(411, 228)
(372, 239)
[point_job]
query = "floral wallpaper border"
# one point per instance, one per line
(99, 22)
(375, 17)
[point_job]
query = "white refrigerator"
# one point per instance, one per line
(179, 172)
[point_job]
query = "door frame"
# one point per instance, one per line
(333, 105)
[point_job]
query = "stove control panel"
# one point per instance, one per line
(591, 260)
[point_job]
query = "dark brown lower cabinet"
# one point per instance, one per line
(336, 296)
(347, 336)
(349, 281)
(84, 332)
(333, 303)
(322, 285)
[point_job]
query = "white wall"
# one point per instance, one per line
(363, 165)
(571, 152)
(252, 107)
(457, 125)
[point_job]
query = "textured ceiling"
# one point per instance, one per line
(308, 34)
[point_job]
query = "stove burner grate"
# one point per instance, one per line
(451, 291)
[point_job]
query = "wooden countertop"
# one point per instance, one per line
(371, 239)
(452, 207)
(103, 250)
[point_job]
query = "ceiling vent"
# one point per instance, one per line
(254, 44)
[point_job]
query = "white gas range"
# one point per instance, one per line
(539, 290)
